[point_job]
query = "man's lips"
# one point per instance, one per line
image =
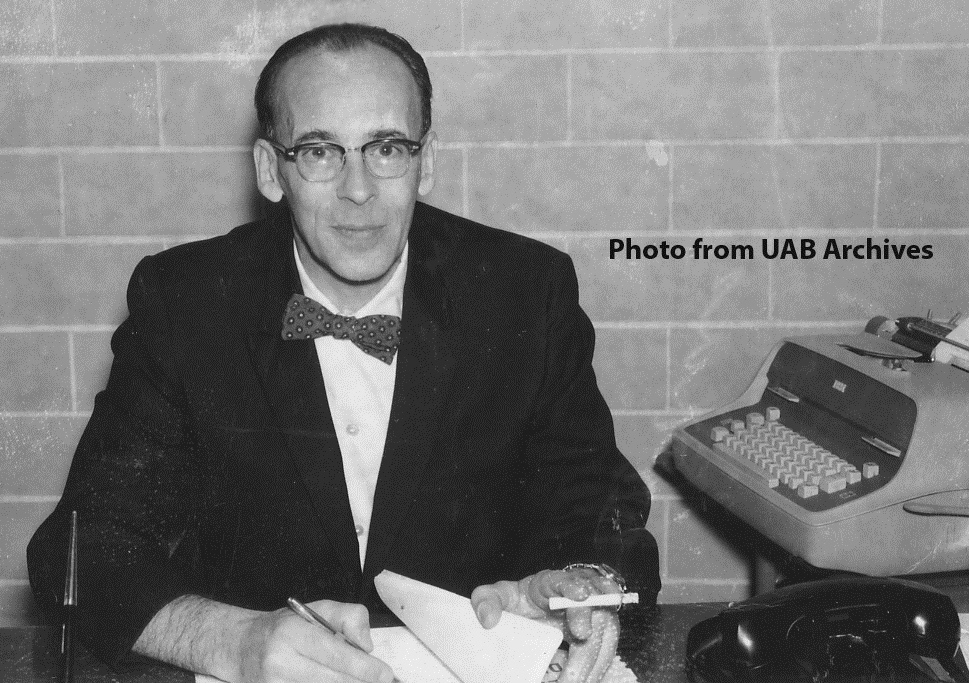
(356, 232)
(349, 227)
(357, 236)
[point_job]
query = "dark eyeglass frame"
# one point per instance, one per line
(291, 153)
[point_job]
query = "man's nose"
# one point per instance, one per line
(356, 182)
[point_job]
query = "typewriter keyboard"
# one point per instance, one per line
(780, 456)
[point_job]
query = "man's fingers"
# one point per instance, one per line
(608, 623)
(309, 664)
(331, 654)
(582, 657)
(596, 582)
(489, 601)
(343, 658)
(590, 659)
(352, 620)
(579, 622)
(551, 583)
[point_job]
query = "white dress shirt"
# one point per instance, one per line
(359, 389)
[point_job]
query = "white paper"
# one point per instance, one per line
(516, 650)
(947, 353)
(411, 661)
(442, 641)
(964, 634)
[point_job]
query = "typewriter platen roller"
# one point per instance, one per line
(849, 451)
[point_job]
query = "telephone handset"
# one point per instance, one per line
(843, 629)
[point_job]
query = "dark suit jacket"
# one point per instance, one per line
(211, 466)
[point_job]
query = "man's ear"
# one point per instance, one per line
(267, 170)
(428, 157)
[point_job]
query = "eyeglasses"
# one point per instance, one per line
(322, 161)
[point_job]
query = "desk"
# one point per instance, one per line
(651, 642)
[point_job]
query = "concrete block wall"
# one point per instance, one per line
(125, 128)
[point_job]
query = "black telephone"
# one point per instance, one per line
(841, 629)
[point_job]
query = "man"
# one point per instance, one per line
(235, 458)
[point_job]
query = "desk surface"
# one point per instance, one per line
(651, 643)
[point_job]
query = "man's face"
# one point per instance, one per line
(351, 230)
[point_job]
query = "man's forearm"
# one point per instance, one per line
(197, 634)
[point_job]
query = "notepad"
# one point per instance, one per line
(516, 650)
(443, 642)
(411, 661)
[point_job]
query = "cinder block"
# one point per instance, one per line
(26, 28)
(209, 103)
(17, 607)
(824, 22)
(616, 290)
(715, 23)
(66, 284)
(154, 27)
(710, 367)
(705, 23)
(92, 361)
(499, 97)
(680, 591)
(704, 544)
(78, 104)
(520, 24)
(20, 522)
(658, 526)
(35, 372)
(426, 24)
(29, 196)
(36, 452)
(159, 193)
(856, 289)
(924, 186)
(874, 93)
(575, 188)
(630, 366)
(778, 187)
(642, 439)
(680, 95)
(914, 21)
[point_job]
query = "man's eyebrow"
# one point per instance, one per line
(315, 135)
(384, 133)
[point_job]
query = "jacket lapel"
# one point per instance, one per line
(290, 375)
(425, 365)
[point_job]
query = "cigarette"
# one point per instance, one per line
(604, 600)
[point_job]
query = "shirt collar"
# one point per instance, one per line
(388, 301)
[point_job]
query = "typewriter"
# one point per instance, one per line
(850, 452)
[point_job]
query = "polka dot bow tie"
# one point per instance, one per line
(376, 335)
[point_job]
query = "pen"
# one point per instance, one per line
(70, 602)
(314, 617)
(604, 600)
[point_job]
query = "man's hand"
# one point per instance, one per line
(592, 633)
(280, 646)
(246, 646)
